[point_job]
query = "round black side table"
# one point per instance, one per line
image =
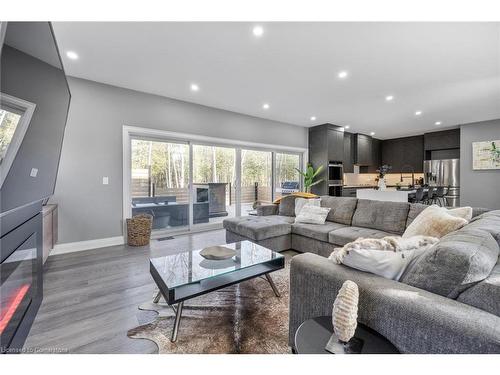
(313, 335)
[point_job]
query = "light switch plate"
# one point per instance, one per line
(34, 172)
(105, 180)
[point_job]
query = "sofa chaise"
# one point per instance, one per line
(446, 302)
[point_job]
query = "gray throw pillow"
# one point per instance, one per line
(287, 206)
(460, 260)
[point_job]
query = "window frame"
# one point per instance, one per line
(26, 110)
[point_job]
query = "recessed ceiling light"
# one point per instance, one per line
(342, 129)
(372, 133)
(258, 31)
(418, 113)
(347, 127)
(195, 87)
(389, 98)
(265, 106)
(342, 74)
(313, 118)
(437, 123)
(72, 55)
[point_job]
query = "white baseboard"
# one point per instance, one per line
(72, 247)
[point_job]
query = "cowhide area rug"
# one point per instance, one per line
(242, 318)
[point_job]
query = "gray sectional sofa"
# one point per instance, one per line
(448, 301)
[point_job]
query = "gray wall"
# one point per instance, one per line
(478, 188)
(31, 79)
(92, 148)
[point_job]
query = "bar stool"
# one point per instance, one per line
(419, 196)
(440, 192)
(431, 193)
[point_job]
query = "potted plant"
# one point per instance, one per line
(382, 171)
(309, 175)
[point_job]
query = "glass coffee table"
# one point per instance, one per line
(186, 275)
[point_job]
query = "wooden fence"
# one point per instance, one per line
(249, 194)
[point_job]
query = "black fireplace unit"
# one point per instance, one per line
(21, 268)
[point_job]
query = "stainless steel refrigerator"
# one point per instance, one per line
(444, 173)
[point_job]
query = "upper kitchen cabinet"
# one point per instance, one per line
(376, 155)
(326, 144)
(442, 140)
(335, 145)
(404, 154)
(442, 145)
(348, 152)
(362, 150)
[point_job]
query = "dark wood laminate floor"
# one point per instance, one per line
(91, 297)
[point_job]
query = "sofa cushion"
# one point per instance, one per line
(385, 216)
(317, 232)
(486, 294)
(287, 205)
(345, 235)
(490, 222)
(259, 227)
(341, 208)
(458, 261)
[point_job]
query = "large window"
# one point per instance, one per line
(189, 183)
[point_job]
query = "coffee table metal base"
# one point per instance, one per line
(178, 307)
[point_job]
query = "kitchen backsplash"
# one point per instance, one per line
(369, 178)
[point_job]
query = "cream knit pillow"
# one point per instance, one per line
(435, 221)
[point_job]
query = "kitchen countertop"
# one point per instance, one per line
(391, 195)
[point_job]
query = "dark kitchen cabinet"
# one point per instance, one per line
(348, 152)
(375, 156)
(442, 140)
(404, 154)
(349, 192)
(335, 145)
(363, 150)
(326, 144)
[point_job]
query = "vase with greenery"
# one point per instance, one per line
(382, 171)
(309, 175)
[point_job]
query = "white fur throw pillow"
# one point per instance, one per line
(435, 221)
(301, 202)
(312, 215)
(463, 212)
(388, 264)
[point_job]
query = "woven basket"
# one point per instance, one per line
(139, 230)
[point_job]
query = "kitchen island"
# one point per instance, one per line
(390, 195)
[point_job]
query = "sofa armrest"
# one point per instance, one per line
(267, 210)
(414, 320)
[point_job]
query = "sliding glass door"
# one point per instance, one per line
(189, 185)
(287, 178)
(256, 179)
(214, 182)
(160, 182)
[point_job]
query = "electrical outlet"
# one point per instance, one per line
(105, 180)
(34, 172)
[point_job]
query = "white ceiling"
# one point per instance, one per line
(449, 71)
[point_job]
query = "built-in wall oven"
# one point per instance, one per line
(335, 178)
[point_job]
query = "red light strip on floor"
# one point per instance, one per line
(13, 306)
